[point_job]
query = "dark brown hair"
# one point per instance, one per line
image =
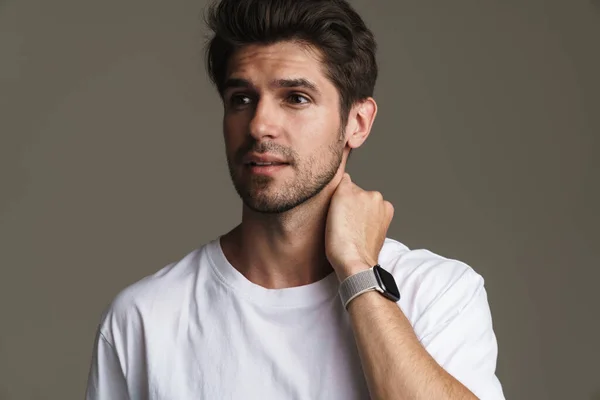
(332, 26)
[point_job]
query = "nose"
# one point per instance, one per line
(265, 123)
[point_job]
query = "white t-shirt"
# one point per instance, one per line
(198, 329)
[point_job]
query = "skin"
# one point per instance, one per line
(302, 126)
(309, 219)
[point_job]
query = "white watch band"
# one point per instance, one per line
(357, 284)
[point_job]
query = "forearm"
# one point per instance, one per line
(395, 364)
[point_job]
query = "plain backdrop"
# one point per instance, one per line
(112, 166)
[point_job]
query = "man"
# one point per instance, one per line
(300, 301)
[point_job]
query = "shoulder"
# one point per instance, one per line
(424, 268)
(163, 291)
(432, 287)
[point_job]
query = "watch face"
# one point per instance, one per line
(387, 282)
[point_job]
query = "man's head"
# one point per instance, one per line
(296, 79)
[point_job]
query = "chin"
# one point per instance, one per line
(275, 203)
(270, 195)
(268, 208)
(268, 204)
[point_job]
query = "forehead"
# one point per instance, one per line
(282, 60)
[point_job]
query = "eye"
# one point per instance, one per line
(298, 99)
(239, 100)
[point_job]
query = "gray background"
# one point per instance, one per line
(112, 165)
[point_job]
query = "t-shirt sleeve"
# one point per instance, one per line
(106, 380)
(461, 337)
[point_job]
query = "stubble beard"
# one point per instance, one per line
(259, 195)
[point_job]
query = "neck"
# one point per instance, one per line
(282, 250)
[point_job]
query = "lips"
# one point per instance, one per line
(261, 160)
(265, 164)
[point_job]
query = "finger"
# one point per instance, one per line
(389, 207)
(378, 196)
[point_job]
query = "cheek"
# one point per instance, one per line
(319, 147)
(233, 131)
(316, 127)
(319, 134)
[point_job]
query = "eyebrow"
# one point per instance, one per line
(278, 83)
(292, 83)
(236, 83)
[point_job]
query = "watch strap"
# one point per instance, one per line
(357, 284)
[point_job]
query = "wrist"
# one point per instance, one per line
(369, 279)
(349, 269)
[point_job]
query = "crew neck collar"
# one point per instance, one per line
(293, 297)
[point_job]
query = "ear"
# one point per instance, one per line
(360, 121)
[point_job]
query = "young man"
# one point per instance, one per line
(301, 300)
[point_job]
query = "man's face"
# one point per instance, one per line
(283, 138)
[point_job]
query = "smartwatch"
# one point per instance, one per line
(375, 278)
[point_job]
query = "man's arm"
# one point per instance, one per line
(395, 363)
(457, 333)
